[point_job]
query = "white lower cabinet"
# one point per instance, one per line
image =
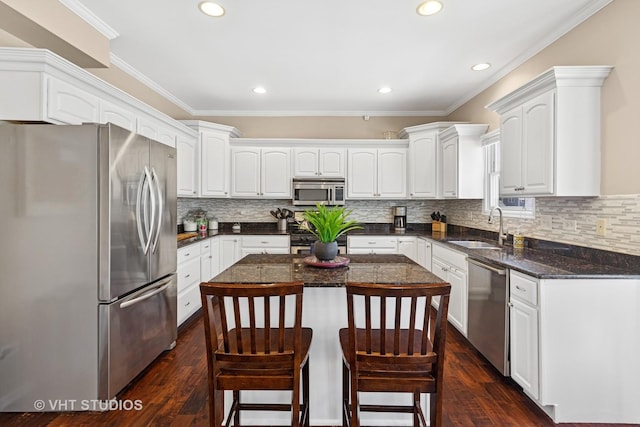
(451, 266)
(423, 254)
(372, 245)
(523, 333)
(408, 246)
(188, 281)
(229, 251)
(264, 244)
(209, 258)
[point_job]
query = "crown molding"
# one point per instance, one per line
(92, 19)
(322, 113)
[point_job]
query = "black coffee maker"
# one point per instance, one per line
(399, 218)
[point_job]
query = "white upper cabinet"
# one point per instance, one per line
(550, 134)
(261, 172)
(120, 116)
(424, 166)
(462, 161)
(67, 103)
(376, 173)
(214, 161)
(318, 162)
(186, 166)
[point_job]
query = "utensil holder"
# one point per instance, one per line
(439, 227)
(282, 224)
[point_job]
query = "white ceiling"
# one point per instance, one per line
(328, 57)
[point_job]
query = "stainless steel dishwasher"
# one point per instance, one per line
(488, 327)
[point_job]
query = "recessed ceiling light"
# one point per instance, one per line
(259, 89)
(210, 8)
(384, 89)
(481, 67)
(430, 7)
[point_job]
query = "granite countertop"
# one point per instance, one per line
(362, 268)
(541, 259)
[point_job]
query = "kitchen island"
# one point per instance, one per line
(325, 310)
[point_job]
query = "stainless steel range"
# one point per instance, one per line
(301, 241)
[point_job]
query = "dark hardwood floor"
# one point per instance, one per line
(173, 392)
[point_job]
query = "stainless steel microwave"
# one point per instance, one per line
(311, 191)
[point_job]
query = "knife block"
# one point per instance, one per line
(439, 227)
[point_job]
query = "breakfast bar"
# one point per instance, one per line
(325, 310)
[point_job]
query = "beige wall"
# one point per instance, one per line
(607, 38)
(51, 25)
(319, 127)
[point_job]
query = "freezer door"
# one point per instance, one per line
(125, 212)
(163, 248)
(133, 332)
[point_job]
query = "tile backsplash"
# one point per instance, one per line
(622, 215)
(369, 211)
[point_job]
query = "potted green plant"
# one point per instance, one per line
(327, 224)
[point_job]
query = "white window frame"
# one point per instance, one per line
(515, 207)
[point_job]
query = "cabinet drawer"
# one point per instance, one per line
(188, 273)
(523, 288)
(454, 258)
(188, 253)
(265, 241)
(188, 302)
(205, 247)
(378, 242)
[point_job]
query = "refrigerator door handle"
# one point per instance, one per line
(154, 176)
(153, 210)
(138, 211)
(147, 295)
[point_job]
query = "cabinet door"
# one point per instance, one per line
(538, 145)
(305, 161)
(408, 246)
(423, 167)
(511, 152)
(450, 168)
(205, 267)
(458, 299)
(276, 173)
(215, 257)
(245, 172)
(441, 270)
(392, 173)
(186, 151)
(524, 346)
(423, 253)
(229, 251)
(362, 173)
(331, 162)
(110, 113)
(70, 105)
(214, 176)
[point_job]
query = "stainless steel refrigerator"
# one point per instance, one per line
(87, 262)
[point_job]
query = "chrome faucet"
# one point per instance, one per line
(502, 235)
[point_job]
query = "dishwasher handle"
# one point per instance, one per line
(497, 270)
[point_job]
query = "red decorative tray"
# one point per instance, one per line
(338, 261)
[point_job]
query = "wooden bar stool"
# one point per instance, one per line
(398, 347)
(246, 351)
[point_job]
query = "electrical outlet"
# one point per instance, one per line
(546, 222)
(601, 227)
(570, 225)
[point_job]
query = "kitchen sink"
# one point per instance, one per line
(474, 244)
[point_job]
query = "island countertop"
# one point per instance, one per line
(361, 268)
